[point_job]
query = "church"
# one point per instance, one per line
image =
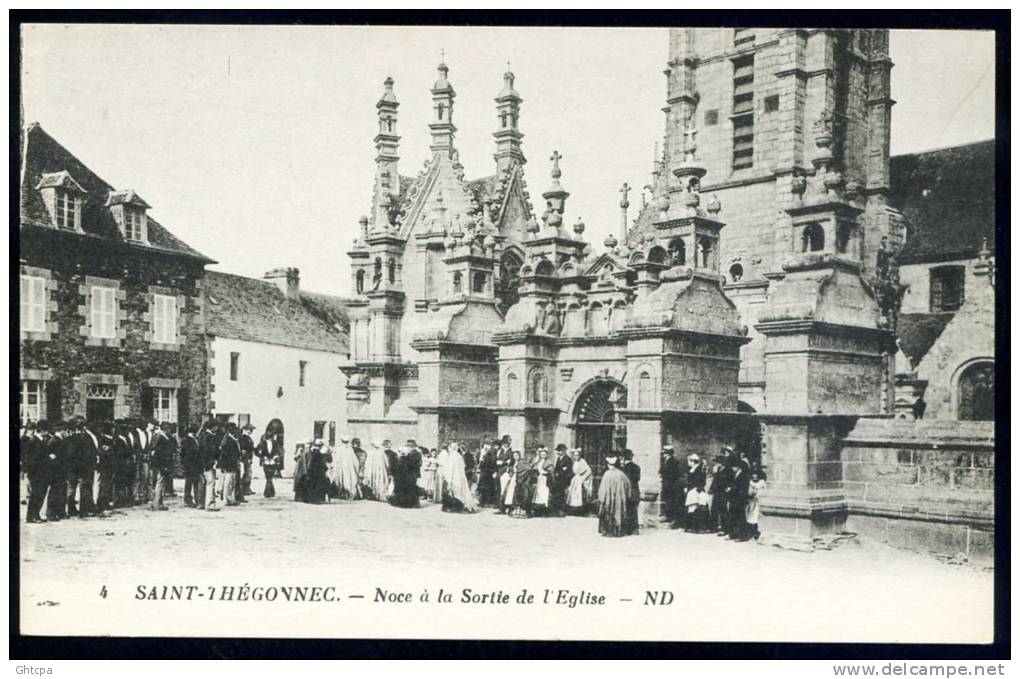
(752, 301)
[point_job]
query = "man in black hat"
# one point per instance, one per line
(563, 472)
(247, 446)
(633, 472)
(227, 463)
(161, 462)
(56, 458)
(191, 462)
(671, 480)
(34, 464)
(719, 490)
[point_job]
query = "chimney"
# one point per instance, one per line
(287, 279)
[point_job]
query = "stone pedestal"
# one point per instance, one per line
(644, 438)
(804, 495)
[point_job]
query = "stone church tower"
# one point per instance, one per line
(767, 110)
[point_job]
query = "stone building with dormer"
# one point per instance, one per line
(111, 309)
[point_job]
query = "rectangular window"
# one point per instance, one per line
(712, 117)
(743, 112)
(164, 404)
(243, 419)
(104, 312)
(947, 287)
(319, 429)
(68, 210)
(132, 225)
(772, 103)
(332, 433)
(33, 304)
(31, 405)
(302, 368)
(164, 319)
(235, 358)
(742, 36)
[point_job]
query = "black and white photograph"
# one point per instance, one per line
(649, 333)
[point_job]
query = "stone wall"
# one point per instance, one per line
(132, 362)
(922, 484)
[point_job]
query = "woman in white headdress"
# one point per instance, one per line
(439, 480)
(376, 476)
(344, 473)
(579, 493)
(457, 495)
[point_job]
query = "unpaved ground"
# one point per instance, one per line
(83, 576)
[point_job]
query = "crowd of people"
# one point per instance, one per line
(721, 500)
(84, 469)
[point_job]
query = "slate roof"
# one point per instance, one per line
(948, 198)
(255, 310)
(484, 187)
(44, 161)
(918, 332)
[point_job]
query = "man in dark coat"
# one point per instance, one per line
(719, 490)
(227, 463)
(164, 450)
(671, 479)
(488, 484)
(124, 456)
(563, 473)
(106, 468)
(34, 465)
(391, 455)
(633, 472)
(736, 499)
(85, 461)
(270, 454)
(247, 455)
(56, 456)
(191, 462)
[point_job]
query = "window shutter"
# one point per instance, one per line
(147, 396)
(52, 412)
(183, 413)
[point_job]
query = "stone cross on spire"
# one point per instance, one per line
(555, 158)
(624, 204)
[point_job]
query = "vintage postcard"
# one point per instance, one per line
(678, 333)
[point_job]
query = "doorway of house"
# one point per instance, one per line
(99, 402)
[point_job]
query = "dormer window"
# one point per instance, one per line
(128, 211)
(133, 225)
(63, 197)
(68, 210)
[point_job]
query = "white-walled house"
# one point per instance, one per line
(275, 354)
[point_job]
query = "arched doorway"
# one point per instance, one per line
(976, 392)
(598, 426)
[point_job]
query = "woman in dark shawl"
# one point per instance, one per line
(301, 455)
(488, 484)
(311, 482)
(615, 502)
(524, 483)
(405, 471)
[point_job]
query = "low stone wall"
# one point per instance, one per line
(922, 484)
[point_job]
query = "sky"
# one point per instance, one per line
(254, 144)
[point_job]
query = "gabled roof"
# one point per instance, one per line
(917, 333)
(948, 198)
(127, 197)
(47, 164)
(59, 180)
(255, 310)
